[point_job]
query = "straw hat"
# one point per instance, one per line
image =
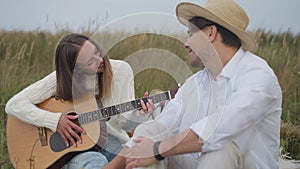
(224, 12)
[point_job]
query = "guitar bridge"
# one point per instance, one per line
(43, 136)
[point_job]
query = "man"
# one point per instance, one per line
(225, 116)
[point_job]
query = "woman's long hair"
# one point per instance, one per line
(65, 60)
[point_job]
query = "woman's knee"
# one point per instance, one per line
(87, 160)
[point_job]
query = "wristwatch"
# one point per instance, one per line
(156, 153)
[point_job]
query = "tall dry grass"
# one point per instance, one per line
(28, 56)
(282, 53)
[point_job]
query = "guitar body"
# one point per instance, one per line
(32, 147)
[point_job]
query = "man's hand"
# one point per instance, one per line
(141, 154)
(137, 162)
(67, 129)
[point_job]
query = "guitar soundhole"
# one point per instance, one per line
(57, 144)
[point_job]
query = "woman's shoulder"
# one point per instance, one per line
(120, 66)
(117, 63)
(51, 75)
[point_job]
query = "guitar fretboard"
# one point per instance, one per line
(107, 112)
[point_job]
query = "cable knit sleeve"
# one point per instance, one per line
(23, 105)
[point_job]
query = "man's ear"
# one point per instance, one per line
(212, 33)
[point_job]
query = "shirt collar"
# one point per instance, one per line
(228, 71)
(230, 68)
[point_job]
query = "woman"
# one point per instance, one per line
(81, 67)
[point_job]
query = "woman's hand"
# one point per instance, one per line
(67, 129)
(147, 107)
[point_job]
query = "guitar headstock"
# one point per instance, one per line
(171, 93)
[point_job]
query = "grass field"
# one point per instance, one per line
(28, 56)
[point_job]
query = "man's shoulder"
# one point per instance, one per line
(254, 60)
(256, 68)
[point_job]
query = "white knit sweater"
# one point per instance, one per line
(23, 104)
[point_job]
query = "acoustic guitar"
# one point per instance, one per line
(32, 147)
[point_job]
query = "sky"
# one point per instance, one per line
(271, 15)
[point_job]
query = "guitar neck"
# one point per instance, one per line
(107, 112)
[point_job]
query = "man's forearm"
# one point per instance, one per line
(185, 142)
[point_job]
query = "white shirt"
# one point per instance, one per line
(22, 105)
(245, 109)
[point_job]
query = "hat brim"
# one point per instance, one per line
(186, 11)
